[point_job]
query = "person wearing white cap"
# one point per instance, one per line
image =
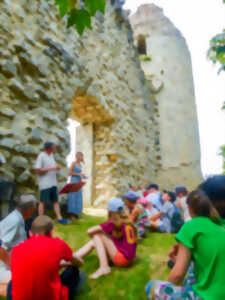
(116, 238)
(12, 230)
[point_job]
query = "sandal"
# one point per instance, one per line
(100, 272)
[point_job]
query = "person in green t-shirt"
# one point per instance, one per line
(201, 240)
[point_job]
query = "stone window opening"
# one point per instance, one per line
(141, 45)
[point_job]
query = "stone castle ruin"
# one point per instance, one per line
(138, 120)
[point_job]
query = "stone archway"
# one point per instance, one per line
(89, 112)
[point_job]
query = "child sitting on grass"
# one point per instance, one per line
(161, 221)
(201, 240)
(140, 216)
(115, 238)
(130, 200)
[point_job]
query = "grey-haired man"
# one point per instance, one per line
(12, 230)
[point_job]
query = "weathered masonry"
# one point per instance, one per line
(49, 74)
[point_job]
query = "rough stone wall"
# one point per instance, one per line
(170, 73)
(47, 72)
(123, 148)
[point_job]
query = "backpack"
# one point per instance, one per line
(176, 220)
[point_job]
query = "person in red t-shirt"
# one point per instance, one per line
(35, 266)
(117, 238)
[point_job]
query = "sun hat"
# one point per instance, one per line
(116, 205)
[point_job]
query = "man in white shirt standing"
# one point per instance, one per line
(181, 201)
(46, 169)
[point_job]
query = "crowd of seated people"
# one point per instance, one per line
(150, 209)
(198, 257)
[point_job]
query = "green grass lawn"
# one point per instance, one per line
(123, 283)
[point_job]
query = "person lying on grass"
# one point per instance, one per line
(202, 242)
(35, 265)
(116, 238)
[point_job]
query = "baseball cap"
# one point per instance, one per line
(132, 196)
(180, 189)
(116, 205)
(153, 186)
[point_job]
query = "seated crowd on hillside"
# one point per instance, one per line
(30, 260)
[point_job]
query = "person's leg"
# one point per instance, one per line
(41, 208)
(109, 246)
(54, 200)
(57, 210)
(9, 291)
(157, 289)
(85, 250)
(70, 278)
(103, 246)
(44, 194)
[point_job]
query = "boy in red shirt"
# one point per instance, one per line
(35, 266)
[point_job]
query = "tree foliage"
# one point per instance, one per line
(78, 13)
(217, 54)
(217, 50)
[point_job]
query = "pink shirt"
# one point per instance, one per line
(127, 244)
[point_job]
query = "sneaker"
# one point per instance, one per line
(64, 222)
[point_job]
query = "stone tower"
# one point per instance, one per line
(166, 62)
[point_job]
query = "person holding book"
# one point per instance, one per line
(75, 199)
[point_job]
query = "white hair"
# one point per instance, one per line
(26, 201)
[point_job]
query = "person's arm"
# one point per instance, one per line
(182, 262)
(135, 213)
(173, 252)
(156, 216)
(41, 171)
(93, 230)
(4, 256)
(178, 204)
(71, 173)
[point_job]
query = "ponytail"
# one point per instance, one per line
(119, 219)
(201, 206)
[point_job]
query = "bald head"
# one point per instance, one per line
(42, 225)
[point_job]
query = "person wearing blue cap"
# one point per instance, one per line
(116, 238)
(130, 199)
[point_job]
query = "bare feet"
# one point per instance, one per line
(100, 272)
